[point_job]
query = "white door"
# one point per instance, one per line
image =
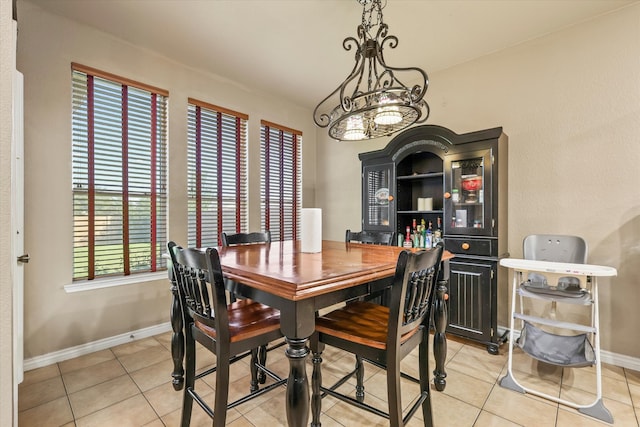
(19, 258)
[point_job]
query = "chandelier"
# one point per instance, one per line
(372, 101)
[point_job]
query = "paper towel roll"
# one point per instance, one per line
(311, 230)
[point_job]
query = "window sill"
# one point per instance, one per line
(89, 285)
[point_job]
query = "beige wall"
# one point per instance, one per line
(7, 65)
(48, 44)
(570, 104)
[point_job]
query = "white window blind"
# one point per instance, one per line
(217, 173)
(119, 175)
(281, 180)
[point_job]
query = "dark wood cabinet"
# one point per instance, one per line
(464, 178)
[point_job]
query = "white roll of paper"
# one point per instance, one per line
(311, 230)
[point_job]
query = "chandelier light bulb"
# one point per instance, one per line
(355, 129)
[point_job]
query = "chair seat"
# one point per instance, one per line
(361, 322)
(247, 319)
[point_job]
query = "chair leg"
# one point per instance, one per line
(316, 382)
(359, 379)
(393, 393)
(253, 368)
(423, 360)
(189, 378)
(262, 359)
(222, 390)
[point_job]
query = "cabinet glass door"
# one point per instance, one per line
(378, 198)
(468, 194)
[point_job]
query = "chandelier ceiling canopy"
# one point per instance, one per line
(372, 101)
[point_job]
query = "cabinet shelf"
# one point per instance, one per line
(421, 176)
(419, 212)
(465, 204)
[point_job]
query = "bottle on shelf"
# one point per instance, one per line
(437, 234)
(407, 239)
(428, 240)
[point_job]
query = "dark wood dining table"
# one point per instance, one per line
(279, 274)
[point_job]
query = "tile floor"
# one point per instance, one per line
(130, 385)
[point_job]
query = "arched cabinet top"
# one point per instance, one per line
(433, 138)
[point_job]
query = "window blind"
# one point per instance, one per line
(217, 173)
(281, 180)
(119, 175)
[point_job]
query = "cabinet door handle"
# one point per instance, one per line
(390, 198)
(447, 195)
(466, 246)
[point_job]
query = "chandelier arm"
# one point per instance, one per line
(417, 92)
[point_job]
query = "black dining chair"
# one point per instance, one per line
(231, 331)
(384, 335)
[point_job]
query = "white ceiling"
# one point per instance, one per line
(294, 47)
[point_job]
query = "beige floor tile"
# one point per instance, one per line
(633, 377)
(487, 419)
(198, 417)
(471, 398)
(86, 377)
(153, 375)
(377, 386)
(40, 374)
(521, 408)
(141, 359)
(136, 346)
(85, 361)
(54, 413)
(272, 413)
(138, 411)
(165, 339)
(635, 394)
(468, 389)
(243, 422)
(478, 363)
(164, 399)
(623, 415)
(35, 394)
(103, 395)
(351, 416)
(448, 411)
(584, 379)
(612, 371)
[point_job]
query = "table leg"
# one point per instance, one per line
(297, 383)
(439, 338)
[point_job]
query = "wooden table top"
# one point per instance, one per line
(282, 269)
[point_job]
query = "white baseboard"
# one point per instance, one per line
(609, 357)
(81, 350)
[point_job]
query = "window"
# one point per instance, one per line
(280, 178)
(119, 175)
(217, 177)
